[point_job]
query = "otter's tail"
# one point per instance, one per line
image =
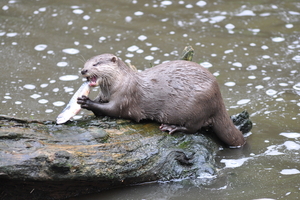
(226, 131)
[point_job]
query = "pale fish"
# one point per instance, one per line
(73, 107)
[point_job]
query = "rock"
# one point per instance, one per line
(41, 160)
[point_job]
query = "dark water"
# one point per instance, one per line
(252, 47)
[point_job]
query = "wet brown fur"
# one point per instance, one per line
(182, 95)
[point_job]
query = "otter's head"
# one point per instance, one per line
(101, 70)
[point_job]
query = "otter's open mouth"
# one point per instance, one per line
(93, 81)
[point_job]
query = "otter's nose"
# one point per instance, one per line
(83, 72)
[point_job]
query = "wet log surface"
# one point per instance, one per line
(42, 160)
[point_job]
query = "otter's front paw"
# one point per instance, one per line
(85, 102)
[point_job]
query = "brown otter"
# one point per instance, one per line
(182, 95)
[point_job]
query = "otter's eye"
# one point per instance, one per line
(98, 63)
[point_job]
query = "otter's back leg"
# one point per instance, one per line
(172, 128)
(189, 127)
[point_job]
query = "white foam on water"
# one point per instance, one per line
(201, 3)
(237, 64)
(48, 111)
(68, 78)
(246, 13)
(132, 48)
(71, 51)
(11, 34)
(35, 96)
(289, 171)
(43, 101)
(29, 86)
(149, 57)
(217, 19)
(59, 103)
(40, 47)
(233, 163)
(278, 39)
(5, 7)
(272, 151)
(229, 84)
(62, 64)
(229, 26)
(128, 19)
(283, 84)
(296, 58)
(297, 86)
(251, 67)
(166, 3)
(271, 92)
(228, 51)
(206, 64)
(88, 46)
(77, 11)
(290, 135)
(243, 101)
(290, 145)
(86, 17)
(142, 37)
(102, 38)
(154, 48)
(138, 13)
(44, 85)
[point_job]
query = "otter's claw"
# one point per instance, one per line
(84, 101)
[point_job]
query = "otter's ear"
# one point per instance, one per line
(114, 59)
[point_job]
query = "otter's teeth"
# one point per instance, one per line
(93, 78)
(93, 81)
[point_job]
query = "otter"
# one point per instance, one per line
(181, 95)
